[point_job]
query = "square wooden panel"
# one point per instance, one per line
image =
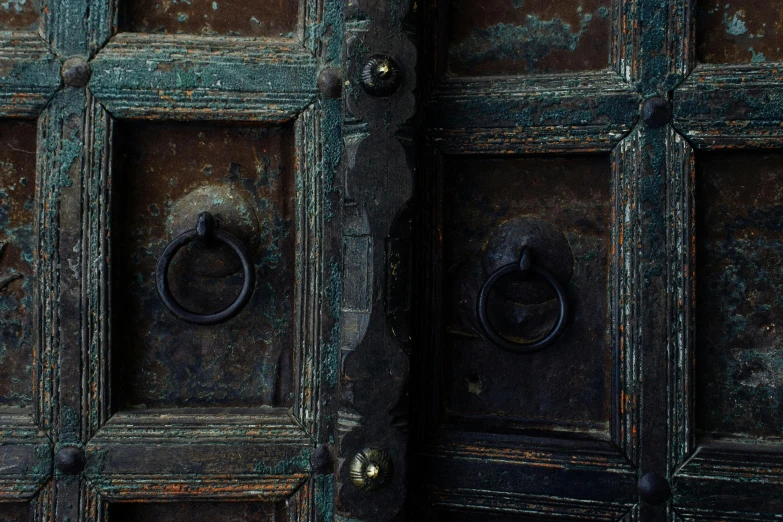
(20, 15)
(740, 31)
(488, 207)
(739, 309)
(496, 37)
(165, 175)
(17, 251)
(269, 18)
(198, 511)
(16, 512)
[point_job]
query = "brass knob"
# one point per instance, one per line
(380, 76)
(370, 469)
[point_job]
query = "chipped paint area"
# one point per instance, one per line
(17, 194)
(271, 18)
(740, 31)
(162, 361)
(19, 15)
(516, 36)
(739, 363)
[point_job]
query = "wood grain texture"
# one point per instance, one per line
(207, 78)
(728, 106)
(29, 75)
(78, 27)
(625, 287)
(25, 455)
(583, 112)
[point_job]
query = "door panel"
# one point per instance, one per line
(739, 386)
(486, 203)
(17, 249)
(532, 36)
(165, 175)
(745, 31)
(198, 511)
(229, 17)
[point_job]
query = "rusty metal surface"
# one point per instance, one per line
(528, 36)
(486, 382)
(161, 170)
(198, 511)
(739, 312)
(739, 31)
(17, 193)
(18, 15)
(272, 18)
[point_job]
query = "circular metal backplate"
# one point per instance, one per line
(551, 250)
(234, 214)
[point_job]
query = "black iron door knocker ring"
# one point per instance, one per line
(526, 264)
(206, 228)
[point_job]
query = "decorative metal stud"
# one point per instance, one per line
(330, 83)
(654, 489)
(381, 76)
(656, 111)
(321, 460)
(76, 72)
(70, 460)
(371, 469)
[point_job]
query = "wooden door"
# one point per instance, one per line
(121, 124)
(633, 148)
(499, 260)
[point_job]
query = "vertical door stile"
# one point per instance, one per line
(664, 321)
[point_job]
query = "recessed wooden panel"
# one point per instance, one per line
(482, 516)
(17, 248)
(15, 512)
(18, 15)
(271, 18)
(198, 511)
(164, 175)
(567, 385)
(739, 31)
(528, 36)
(739, 303)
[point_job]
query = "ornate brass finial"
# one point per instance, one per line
(370, 469)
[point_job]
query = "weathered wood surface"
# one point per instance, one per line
(496, 107)
(254, 453)
(480, 80)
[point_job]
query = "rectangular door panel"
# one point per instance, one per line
(491, 208)
(17, 252)
(277, 18)
(198, 511)
(741, 31)
(738, 459)
(16, 512)
(528, 36)
(165, 175)
(739, 321)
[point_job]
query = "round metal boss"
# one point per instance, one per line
(380, 75)
(69, 460)
(371, 469)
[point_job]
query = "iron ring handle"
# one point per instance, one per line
(526, 264)
(206, 228)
